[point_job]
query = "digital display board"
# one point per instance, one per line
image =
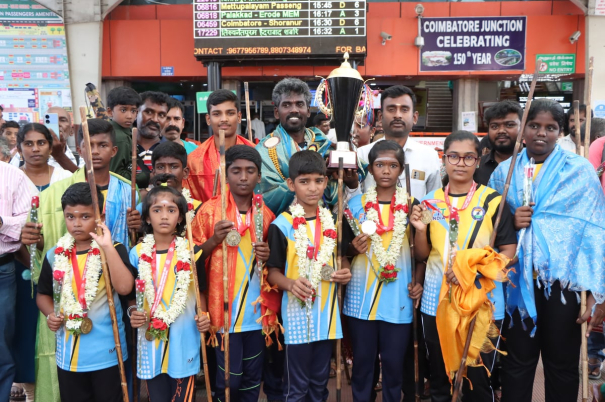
(253, 29)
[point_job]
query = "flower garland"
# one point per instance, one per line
(190, 210)
(308, 267)
(69, 302)
(162, 318)
(387, 258)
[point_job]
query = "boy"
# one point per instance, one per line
(122, 106)
(303, 247)
(223, 114)
(86, 359)
(118, 218)
(9, 131)
(243, 164)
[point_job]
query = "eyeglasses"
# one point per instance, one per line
(469, 160)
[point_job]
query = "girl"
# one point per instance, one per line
(169, 354)
(450, 221)
(378, 301)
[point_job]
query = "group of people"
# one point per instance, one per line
(515, 265)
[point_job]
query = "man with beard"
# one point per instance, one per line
(568, 142)
(150, 122)
(504, 122)
(175, 123)
(291, 100)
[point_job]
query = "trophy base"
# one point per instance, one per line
(349, 159)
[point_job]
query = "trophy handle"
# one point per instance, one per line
(327, 110)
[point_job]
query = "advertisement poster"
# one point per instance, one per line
(34, 73)
(469, 122)
(473, 43)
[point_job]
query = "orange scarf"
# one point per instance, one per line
(467, 302)
(270, 298)
(203, 164)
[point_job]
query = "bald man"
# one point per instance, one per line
(61, 155)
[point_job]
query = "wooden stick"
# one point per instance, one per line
(133, 183)
(588, 103)
(226, 324)
(408, 187)
(457, 395)
(249, 125)
(339, 267)
(90, 177)
(198, 302)
(577, 134)
(216, 177)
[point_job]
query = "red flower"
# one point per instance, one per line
(59, 250)
(348, 213)
(58, 275)
(158, 324)
(389, 267)
(310, 252)
(146, 258)
(95, 251)
(384, 274)
(454, 215)
(258, 199)
(74, 316)
(369, 206)
(401, 207)
(186, 266)
(189, 206)
(298, 221)
(182, 266)
(36, 201)
(140, 285)
(331, 233)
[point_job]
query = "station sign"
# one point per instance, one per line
(473, 44)
(256, 29)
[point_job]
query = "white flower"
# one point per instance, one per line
(183, 279)
(187, 194)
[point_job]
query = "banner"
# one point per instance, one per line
(473, 44)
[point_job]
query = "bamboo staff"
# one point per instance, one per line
(133, 183)
(577, 134)
(248, 112)
(198, 302)
(226, 324)
(414, 312)
(90, 177)
(588, 103)
(216, 177)
(339, 267)
(457, 395)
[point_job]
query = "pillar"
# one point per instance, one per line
(83, 21)
(466, 99)
(595, 32)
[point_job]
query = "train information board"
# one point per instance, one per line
(252, 29)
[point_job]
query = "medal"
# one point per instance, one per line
(368, 227)
(426, 217)
(86, 325)
(233, 238)
(149, 336)
(326, 273)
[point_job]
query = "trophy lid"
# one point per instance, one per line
(345, 70)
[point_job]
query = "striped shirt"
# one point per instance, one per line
(15, 202)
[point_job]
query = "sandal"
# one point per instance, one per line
(17, 393)
(594, 369)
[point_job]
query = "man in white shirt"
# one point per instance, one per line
(568, 143)
(258, 126)
(61, 155)
(398, 118)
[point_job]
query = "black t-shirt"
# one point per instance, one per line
(45, 282)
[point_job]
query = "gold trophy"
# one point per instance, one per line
(347, 96)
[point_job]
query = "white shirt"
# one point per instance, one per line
(332, 136)
(52, 162)
(259, 129)
(424, 164)
(567, 143)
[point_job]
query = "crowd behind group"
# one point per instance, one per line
(283, 275)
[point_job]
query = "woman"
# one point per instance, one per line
(453, 227)
(34, 143)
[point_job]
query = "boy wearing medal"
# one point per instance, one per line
(252, 303)
(87, 364)
(303, 247)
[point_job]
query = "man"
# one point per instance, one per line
(175, 123)
(291, 100)
(568, 142)
(1, 118)
(5, 151)
(14, 207)
(322, 123)
(61, 154)
(503, 122)
(223, 114)
(258, 126)
(398, 118)
(151, 120)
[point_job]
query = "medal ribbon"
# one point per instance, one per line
(241, 227)
(313, 251)
(380, 227)
(453, 210)
(80, 279)
(159, 290)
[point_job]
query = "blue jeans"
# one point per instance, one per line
(8, 298)
(596, 344)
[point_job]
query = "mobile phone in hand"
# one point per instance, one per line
(51, 121)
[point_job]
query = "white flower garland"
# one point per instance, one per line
(301, 241)
(183, 279)
(69, 302)
(388, 257)
(187, 194)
